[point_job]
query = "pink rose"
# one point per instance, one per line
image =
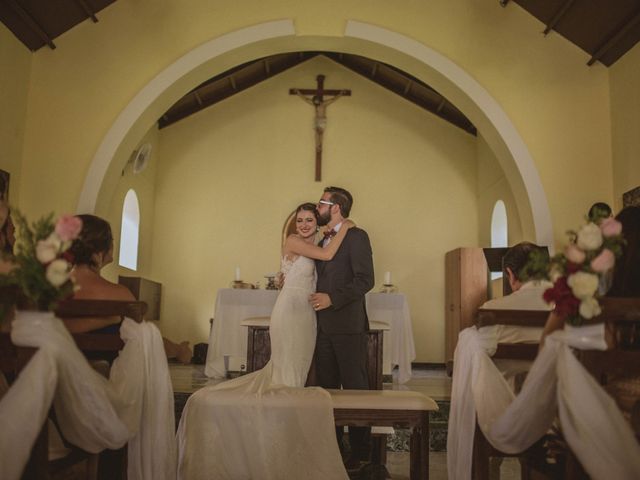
(604, 261)
(610, 227)
(68, 227)
(574, 254)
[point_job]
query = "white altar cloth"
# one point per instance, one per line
(229, 338)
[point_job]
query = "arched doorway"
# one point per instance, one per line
(359, 38)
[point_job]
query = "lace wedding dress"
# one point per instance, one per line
(264, 426)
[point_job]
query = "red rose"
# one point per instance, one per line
(566, 304)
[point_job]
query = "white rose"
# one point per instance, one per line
(589, 237)
(57, 272)
(583, 284)
(589, 308)
(48, 249)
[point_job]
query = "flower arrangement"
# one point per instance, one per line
(578, 272)
(40, 274)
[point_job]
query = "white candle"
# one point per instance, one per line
(238, 278)
(387, 278)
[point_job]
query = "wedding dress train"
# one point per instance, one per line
(264, 426)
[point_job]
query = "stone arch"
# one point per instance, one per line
(450, 79)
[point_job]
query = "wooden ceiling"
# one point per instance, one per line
(605, 29)
(37, 23)
(244, 76)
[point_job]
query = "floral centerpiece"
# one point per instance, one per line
(578, 272)
(40, 274)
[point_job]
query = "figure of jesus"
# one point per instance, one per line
(320, 105)
(319, 99)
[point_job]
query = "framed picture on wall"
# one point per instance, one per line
(632, 197)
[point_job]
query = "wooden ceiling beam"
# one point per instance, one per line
(407, 87)
(558, 15)
(31, 23)
(88, 10)
(600, 52)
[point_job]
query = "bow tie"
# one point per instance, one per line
(330, 233)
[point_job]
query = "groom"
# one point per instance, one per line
(341, 345)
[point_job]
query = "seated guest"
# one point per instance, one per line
(526, 295)
(91, 252)
(598, 212)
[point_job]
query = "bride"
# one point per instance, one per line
(263, 425)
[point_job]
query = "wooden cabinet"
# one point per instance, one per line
(146, 291)
(259, 353)
(466, 283)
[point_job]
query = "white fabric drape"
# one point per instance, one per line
(251, 429)
(135, 405)
(557, 383)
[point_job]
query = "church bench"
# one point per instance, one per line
(622, 322)
(389, 408)
(111, 464)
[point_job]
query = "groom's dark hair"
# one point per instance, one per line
(341, 197)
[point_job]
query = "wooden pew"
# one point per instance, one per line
(96, 346)
(392, 408)
(622, 322)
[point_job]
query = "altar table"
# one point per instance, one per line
(229, 339)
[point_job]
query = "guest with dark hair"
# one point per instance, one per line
(91, 251)
(599, 211)
(526, 294)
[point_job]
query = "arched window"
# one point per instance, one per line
(498, 230)
(129, 231)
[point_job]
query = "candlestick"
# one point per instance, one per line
(238, 277)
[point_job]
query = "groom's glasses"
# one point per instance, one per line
(325, 202)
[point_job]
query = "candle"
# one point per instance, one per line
(238, 278)
(387, 278)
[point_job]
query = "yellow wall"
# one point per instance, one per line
(559, 106)
(15, 65)
(493, 186)
(229, 176)
(625, 123)
(111, 203)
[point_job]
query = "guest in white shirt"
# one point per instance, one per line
(526, 295)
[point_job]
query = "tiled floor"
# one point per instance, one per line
(432, 382)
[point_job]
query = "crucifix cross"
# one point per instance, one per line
(316, 98)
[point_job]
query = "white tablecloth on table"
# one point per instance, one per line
(399, 349)
(229, 338)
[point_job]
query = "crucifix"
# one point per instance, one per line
(317, 100)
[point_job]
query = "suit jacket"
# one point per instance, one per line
(346, 278)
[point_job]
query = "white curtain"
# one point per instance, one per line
(134, 405)
(557, 384)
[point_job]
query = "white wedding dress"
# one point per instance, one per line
(263, 425)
